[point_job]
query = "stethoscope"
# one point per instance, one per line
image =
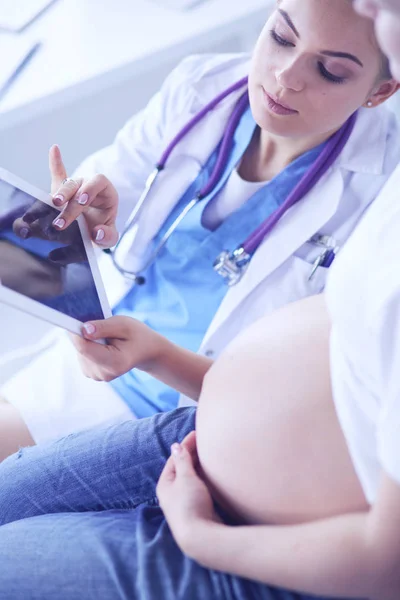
(232, 264)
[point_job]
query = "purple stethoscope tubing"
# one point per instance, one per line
(327, 157)
(160, 166)
(321, 165)
(193, 122)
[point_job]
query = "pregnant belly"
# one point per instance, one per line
(269, 441)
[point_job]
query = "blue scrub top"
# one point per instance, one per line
(182, 292)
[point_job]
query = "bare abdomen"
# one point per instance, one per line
(268, 437)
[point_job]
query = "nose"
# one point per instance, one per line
(291, 76)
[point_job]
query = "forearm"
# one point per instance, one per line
(327, 558)
(180, 369)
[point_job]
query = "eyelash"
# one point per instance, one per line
(323, 71)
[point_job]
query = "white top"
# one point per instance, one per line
(233, 195)
(363, 296)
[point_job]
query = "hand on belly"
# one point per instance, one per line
(268, 438)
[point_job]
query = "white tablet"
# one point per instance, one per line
(45, 272)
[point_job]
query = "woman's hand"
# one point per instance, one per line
(184, 497)
(131, 344)
(96, 199)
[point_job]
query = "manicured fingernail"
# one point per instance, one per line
(83, 198)
(59, 199)
(59, 223)
(176, 449)
(89, 328)
(100, 235)
(24, 232)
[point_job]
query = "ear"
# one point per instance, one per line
(382, 93)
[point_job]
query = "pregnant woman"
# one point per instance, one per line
(283, 485)
(270, 452)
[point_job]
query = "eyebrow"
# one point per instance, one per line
(289, 22)
(325, 52)
(343, 55)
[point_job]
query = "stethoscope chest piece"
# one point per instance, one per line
(232, 265)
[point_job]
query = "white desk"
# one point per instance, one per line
(99, 64)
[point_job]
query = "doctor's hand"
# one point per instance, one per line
(184, 497)
(95, 198)
(131, 344)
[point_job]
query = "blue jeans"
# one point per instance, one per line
(79, 520)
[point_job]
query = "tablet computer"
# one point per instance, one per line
(48, 273)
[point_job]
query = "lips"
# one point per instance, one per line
(280, 103)
(277, 106)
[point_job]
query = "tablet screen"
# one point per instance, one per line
(42, 263)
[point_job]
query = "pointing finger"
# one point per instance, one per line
(57, 169)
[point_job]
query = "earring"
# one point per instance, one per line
(369, 104)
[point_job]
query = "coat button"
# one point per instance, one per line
(209, 353)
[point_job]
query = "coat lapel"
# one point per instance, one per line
(182, 169)
(311, 214)
(295, 228)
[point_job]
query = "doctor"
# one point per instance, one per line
(350, 552)
(304, 90)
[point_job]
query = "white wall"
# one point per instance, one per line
(88, 124)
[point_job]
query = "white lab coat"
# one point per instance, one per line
(279, 271)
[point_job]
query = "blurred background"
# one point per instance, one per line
(97, 62)
(73, 71)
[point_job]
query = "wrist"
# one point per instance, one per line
(200, 539)
(159, 349)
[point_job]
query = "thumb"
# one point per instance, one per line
(183, 461)
(189, 442)
(114, 327)
(57, 169)
(105, 236)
